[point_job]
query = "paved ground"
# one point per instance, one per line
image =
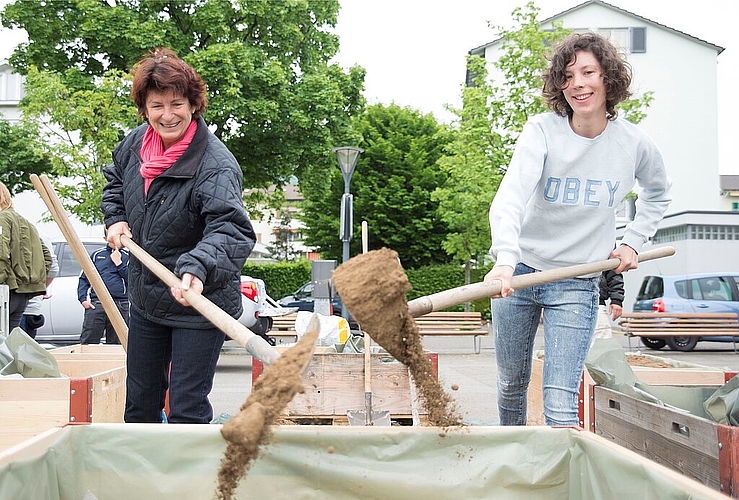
(458, 365)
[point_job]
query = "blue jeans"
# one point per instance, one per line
(193, 355)
(570, 311)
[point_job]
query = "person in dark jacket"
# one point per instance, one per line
(176, 190)
(112, 265)
(610, 304)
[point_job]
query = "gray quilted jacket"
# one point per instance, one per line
(192, 220)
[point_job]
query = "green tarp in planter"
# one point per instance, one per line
(148, 461)
(607, 365)
(22, 356)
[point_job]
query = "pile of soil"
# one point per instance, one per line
(373, 287)
(644, 361)
(251, 427)
(641, 361)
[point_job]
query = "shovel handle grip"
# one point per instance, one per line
(475, 291)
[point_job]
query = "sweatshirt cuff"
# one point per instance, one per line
(506, 259)
(633, 241)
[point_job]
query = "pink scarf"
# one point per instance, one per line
(155, 159)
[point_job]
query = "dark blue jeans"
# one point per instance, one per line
(193, 355)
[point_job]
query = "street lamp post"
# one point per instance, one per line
(347, 157)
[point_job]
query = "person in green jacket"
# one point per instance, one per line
(24, 259)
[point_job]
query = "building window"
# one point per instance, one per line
(697, 232)
(638, 40)
(617, 36)
(629, 40)
(11, 86)
(671, 234)
(735, 206)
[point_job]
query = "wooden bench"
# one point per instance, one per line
(454, 323)
(283, 329)
(435, 323)
(656, 325)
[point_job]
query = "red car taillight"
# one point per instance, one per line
(658, 306)
(249, 290)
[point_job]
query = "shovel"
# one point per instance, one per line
(389, 317)
(466, 293)
(256, 345)
(46, 191)
(368, 416)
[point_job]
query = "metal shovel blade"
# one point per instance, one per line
(368, 416)
(359, 417)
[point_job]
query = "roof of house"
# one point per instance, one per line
(718, 49)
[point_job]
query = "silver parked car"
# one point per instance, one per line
(63, 313)
(690, 293)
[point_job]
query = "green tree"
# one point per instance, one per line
(78, 130)
(275, 98)
(20, 156)
(472, 165)
(392, 186)
(282, 248)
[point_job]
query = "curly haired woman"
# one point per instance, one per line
(556, 207)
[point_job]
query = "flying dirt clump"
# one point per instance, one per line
(251, 427)
(373, 287)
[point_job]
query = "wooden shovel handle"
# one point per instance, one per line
(256, 345)
(47, 193)
(460, 295)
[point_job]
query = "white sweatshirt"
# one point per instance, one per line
(556, 204)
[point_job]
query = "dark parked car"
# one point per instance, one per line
(303, 299)
(689, 293)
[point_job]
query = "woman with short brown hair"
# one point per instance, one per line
(175, 189)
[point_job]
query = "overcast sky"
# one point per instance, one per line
(414, 50)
